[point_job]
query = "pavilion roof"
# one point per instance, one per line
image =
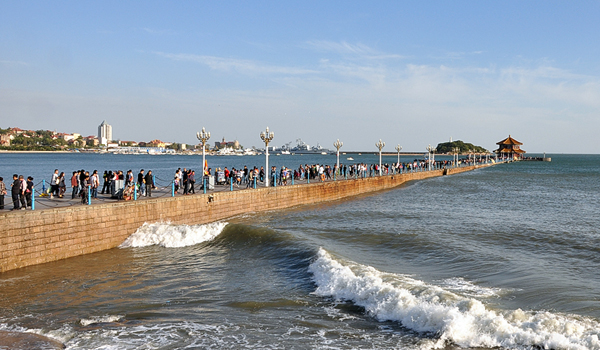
(509, 141)
(511, 150)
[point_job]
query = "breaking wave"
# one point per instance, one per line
(448, 317)
(173, 236)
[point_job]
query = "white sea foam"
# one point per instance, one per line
(100, 319)
(173, 236)
(451, 318)
(467, 288)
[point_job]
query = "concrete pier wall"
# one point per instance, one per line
(35, 237)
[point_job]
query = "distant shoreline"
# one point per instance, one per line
(387, 154)
(12, 151)
(208, 154)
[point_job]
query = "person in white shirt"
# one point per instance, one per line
(54, 184)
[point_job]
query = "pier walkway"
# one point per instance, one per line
(165, 188)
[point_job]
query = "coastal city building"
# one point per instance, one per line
(226, 144)
(104, 133)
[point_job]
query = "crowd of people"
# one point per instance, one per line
(126, 186)
(20, 190)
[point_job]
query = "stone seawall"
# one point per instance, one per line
(35, 237)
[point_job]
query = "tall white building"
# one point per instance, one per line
(104, 133)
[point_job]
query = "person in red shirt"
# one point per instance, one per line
(75, 184)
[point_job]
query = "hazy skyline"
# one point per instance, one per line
(409, 73)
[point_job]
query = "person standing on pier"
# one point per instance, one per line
(192, 181)
(184, 178)
(106, 177)
(2, 192)
(29, 191)
(23, 188)
(54, 184)
(95, 182)
(140, 182)
(15, 189)
(75, 184)
(148, 180)
(85, 187)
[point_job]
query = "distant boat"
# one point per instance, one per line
(349, 158)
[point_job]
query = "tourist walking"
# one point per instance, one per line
(2, 192)
(62, 187)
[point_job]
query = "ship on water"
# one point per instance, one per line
(303, 148)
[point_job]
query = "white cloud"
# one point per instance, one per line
(239, 65)
(346, 49)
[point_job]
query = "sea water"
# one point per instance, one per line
(506, 256)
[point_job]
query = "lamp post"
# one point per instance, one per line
(338, 144)
(456, 150)
(267, 136)
(203, 136)
(380, 146)
(398, 148)
(429, 152)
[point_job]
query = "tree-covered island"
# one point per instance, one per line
(449, 147)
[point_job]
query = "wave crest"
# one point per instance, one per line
(173, 236)
(452, 318)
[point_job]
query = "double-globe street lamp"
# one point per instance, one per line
(456, 151)
(398, 148)
(338, 144)
(429, 154)
(267, 136)
(203, 136)
(380, 146)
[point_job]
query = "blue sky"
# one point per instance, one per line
(410, 73)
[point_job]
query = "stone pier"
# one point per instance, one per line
(40, 236)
